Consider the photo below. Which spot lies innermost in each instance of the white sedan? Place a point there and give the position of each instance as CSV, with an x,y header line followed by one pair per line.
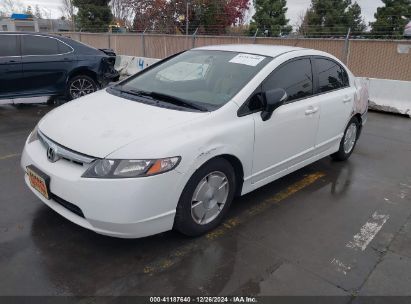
x,y
171,146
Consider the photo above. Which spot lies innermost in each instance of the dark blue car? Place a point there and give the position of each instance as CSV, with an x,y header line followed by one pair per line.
x,y
34,64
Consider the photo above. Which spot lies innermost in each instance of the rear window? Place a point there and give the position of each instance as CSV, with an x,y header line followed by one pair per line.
x,y
8,45
38,45
63,48
331,76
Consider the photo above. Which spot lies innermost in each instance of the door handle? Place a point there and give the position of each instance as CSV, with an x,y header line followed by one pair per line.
x,y
311,110
346,99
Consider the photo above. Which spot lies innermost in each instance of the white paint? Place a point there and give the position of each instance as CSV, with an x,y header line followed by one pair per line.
x,y
390,95
403,48
368,231
247,59
340,266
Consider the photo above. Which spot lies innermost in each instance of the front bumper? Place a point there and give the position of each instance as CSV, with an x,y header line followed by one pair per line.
x,y
126,208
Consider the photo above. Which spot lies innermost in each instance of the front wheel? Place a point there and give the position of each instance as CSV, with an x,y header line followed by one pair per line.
x,y
348,141
79,86
206,198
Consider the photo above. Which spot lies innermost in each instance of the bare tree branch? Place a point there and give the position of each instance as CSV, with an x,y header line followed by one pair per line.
x,y
11,6
123,12
67,10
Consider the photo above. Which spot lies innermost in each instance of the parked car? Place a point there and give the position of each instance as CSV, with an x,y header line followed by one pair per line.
x,y
407,31
173,145
33,64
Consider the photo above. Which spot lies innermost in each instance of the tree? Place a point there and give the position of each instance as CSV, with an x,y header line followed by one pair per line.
x,y
391,19
205,16
122,12
67,10
328,18
93,15
37,12
11,6
354,19
270,19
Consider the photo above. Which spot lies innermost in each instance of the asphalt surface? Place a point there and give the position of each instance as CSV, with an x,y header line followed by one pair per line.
x,y
328,229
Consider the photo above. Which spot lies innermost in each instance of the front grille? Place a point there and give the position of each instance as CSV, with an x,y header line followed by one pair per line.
x,y
69,206
64,153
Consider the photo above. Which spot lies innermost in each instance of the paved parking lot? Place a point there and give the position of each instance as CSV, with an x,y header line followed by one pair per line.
x,y
328,229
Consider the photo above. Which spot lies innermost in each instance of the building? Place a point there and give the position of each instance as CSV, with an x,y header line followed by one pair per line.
x,y
19,23
27,23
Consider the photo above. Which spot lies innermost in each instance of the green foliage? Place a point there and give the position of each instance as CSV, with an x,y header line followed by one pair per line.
x,y
93,15
327,18
391,19
269,18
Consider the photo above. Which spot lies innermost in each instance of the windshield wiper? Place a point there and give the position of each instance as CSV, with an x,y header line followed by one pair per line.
x,y
167,98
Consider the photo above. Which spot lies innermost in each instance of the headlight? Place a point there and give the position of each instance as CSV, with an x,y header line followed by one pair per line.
x,y
114,168
33,135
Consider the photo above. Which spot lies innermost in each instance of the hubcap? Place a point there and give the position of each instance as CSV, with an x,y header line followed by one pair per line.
x,y
350,138
81,87
209,198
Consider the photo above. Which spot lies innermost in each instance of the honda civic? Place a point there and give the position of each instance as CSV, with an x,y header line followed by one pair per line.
x,y
171,146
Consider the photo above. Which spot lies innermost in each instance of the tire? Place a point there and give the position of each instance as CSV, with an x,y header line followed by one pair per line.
x,y
79,86
349,140
189,218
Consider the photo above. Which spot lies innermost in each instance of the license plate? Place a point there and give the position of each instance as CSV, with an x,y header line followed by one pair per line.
x,y
39,180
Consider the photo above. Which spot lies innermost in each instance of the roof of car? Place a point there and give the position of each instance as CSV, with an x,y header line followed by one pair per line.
x,y
258,49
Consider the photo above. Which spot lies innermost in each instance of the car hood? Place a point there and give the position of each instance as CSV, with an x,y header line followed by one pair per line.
x,y
101,123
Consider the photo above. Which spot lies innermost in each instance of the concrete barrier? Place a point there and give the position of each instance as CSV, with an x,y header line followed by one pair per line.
x,y
129,65
390,95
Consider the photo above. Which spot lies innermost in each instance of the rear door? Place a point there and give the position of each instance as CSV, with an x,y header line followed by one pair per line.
x,y
336,99
46,63
10,66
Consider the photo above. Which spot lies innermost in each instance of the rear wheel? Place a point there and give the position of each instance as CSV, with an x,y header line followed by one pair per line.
x,y
79,86
206,198
348,141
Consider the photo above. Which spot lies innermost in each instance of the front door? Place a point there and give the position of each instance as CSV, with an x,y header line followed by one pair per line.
x,y
288,137
44,66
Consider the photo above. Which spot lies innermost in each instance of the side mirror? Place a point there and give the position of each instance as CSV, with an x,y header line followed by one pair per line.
x,y
273,99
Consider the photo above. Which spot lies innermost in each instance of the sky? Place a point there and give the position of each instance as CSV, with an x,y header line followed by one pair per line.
x,y
295,8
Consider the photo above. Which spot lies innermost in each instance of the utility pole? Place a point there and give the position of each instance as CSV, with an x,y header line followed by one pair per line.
x,y
187,18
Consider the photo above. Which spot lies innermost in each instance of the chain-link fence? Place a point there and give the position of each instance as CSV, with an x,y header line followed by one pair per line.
x,y
386,59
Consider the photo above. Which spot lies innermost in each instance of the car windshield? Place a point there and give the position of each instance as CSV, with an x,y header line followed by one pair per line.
x,y
197,78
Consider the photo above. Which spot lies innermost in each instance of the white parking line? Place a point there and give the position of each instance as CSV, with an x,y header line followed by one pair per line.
x,y
368,231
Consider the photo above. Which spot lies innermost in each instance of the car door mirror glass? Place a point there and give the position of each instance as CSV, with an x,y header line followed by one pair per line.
x,y
273,99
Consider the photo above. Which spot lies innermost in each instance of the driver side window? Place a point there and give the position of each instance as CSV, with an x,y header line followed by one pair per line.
x,y
294,77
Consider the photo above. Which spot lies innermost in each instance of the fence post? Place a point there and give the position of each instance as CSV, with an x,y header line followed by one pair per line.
x,y
346,49
194,38
109,40
79,36
143,44
255,36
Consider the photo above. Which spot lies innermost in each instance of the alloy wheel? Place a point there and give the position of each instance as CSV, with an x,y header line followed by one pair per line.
x,y
81,87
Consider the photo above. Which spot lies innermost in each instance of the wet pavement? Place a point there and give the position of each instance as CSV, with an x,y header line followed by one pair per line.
x,y
328,229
